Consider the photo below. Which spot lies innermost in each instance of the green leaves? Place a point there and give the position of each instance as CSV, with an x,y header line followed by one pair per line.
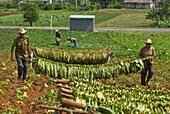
x,y
55,69
121,99
31,15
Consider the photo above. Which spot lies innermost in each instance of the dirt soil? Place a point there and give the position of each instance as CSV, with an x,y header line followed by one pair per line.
x,y
10,13
9,85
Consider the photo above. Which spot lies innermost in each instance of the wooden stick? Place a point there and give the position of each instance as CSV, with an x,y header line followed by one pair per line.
x,y
66,95
66,91
63,81
62,86
63,109
72,103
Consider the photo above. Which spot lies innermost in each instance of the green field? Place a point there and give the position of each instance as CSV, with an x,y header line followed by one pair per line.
x,y
123,94
123,44
103,18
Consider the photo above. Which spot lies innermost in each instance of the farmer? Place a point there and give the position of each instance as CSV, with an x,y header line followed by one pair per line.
x,y
58,38
73,40
22,53
147,54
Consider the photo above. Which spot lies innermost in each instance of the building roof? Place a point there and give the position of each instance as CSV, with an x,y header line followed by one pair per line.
x,y
3,0
82,16
138,1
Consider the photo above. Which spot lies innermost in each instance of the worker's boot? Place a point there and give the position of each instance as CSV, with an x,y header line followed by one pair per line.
x,y
147,82
19,77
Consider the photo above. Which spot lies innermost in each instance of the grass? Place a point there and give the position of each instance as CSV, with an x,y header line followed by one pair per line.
x,y
103,18
124,44
127,18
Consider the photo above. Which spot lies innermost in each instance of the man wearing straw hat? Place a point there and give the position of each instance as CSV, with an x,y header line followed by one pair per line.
x,y
22,53
147,54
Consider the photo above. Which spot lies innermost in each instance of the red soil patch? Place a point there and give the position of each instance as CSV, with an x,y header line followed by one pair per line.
x,y
10,13
8,96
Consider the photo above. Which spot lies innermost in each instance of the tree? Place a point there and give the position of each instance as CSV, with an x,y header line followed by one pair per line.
x,y
31,15
105,3
160,16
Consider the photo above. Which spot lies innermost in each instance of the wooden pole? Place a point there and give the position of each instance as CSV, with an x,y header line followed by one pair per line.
x,y
63,81
63,109
66,95
62,86
66,91
72,103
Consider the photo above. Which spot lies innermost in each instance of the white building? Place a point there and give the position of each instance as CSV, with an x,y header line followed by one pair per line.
x,y
138,4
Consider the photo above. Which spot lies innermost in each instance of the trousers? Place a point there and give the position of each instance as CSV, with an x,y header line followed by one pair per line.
x,y
22,67
146,72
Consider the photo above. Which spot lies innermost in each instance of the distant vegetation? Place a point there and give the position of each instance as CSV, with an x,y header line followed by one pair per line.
x,y
103,18
160,16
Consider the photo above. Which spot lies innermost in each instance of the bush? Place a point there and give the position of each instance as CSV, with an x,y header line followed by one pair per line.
x,y
25,6
160,16
94,6
117,5
40,4
48,7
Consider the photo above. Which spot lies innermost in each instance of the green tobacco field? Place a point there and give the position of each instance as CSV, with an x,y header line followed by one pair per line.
x,y
122,92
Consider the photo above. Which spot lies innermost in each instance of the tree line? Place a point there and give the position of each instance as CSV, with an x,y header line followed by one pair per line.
x,y
59,5
160,16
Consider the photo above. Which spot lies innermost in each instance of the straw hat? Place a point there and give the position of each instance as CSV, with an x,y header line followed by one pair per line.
x,y
148,41
22,31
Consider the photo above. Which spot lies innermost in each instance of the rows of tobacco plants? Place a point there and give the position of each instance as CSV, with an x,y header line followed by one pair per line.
x,y
91,92
124,45
74,57
101,71
121,99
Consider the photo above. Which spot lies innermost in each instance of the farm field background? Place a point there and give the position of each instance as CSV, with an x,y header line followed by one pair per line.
x,y
124,44
103,18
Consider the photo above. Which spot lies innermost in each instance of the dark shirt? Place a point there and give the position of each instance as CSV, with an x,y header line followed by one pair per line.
x,y
58,35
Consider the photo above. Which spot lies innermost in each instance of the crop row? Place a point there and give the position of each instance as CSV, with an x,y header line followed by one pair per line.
x,y
121,99
58,69
73,57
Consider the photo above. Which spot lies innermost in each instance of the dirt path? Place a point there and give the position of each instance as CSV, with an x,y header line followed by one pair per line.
x,y
18,97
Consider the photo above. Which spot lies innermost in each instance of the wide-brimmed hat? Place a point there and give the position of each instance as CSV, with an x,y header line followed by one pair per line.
x,y
22,31
148,41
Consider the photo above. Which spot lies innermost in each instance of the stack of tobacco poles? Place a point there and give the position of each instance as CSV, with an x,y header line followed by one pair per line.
x,y
67,105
